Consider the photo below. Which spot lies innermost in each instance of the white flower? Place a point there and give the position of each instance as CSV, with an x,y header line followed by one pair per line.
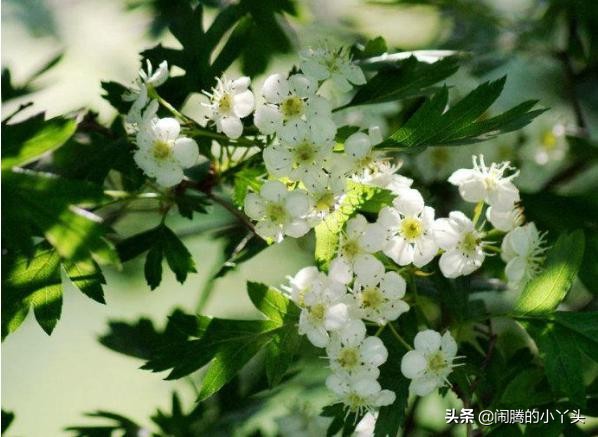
x,y
359,394
325,309
546,144
366,426
147,79
230,101
300,157
161,153
382,174
488,184
289,103
462,244
378,294
429,365
505,220
359,149
352,353
138,92
359,240
304,282
278,212
523,250
322,64
326,190
408,228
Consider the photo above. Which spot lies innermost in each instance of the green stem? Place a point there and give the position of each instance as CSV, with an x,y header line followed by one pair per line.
x,y
398,337
379,331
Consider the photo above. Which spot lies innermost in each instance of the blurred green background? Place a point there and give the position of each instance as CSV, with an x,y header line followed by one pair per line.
x,y
50,381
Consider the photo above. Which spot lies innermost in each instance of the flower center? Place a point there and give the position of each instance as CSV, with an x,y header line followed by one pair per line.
x,y
355,402
348,358
411,228
436,362
351,248
225,104
366,161
161,150
276,213
325,201
372,298
305,153
469,242
292,107
549,140
317,312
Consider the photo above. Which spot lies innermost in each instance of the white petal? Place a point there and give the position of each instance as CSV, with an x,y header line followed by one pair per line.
x,y
255,206
302,86
169,176
425,251
461,176
373,351
353,73
340,271
409,202
337,317
427,341
400,250
267,119
278,160
452,264
515,270
358,145
267,229
413,364
352,333
473,190
356,226
423,386
318,336
241,84
385,397
274,191
297,203
373,238
369,271
297,228
393,285
445,234
449,345
243,103
314,69
185,152
276,88
168,128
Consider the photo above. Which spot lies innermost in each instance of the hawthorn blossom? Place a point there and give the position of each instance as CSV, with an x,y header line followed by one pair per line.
x,y
488,184
462,245
322,64
547,144
326,191
300,157
289,103
359,394
408,229
383,175
360,153
278,212
163,154
138,93
359,241
356,354
505,220
378,294
230,101
430,363
523,249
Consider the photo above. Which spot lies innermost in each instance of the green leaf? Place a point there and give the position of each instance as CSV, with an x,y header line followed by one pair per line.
x,y
40,139
43,203
27,282
409,78
7,419
179,259
327,232
227,345
245,180
545,292
160,242
87,277
462,123
153,267
561,357
282,348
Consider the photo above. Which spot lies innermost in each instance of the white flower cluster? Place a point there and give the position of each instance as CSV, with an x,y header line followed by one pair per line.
x,y
523,246
162,153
